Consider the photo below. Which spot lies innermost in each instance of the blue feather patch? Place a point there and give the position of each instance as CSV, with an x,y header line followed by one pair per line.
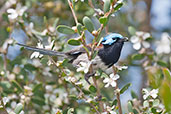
x,y
111,38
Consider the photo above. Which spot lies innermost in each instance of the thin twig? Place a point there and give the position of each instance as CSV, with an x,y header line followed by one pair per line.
x,y
82,94
117,92
98,94
73,13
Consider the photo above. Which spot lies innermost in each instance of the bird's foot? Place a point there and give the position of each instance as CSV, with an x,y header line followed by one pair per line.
x,y
87,76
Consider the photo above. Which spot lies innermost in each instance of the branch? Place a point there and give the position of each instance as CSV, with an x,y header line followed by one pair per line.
x,y
117,92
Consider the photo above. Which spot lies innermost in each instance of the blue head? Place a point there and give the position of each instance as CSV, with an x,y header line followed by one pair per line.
x,y
112,38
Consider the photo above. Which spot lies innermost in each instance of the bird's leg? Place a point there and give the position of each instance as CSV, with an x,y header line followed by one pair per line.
x,y
88,75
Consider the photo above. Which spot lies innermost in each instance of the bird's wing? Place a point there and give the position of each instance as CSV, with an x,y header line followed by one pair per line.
x,y
43,51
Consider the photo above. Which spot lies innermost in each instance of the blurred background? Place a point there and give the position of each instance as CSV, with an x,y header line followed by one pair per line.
x,y
33,21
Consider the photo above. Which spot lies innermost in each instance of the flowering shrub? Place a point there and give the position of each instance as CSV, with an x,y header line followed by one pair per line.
x,y
32,83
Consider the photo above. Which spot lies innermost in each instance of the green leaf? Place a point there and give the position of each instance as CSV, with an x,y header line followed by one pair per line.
x,y
131,30
138,56
36,87
74,97
92,89
88,24
125,88
153,110
156,102
106,6
74,42
5,84
103,20
55,22
135,111
65,29
17,85
130,106
145,104
38,100
19,108
44,60
5,17
114,103
167,74
154,76
119,5
165,93
134,95
29,67
79,28
70,111
162,63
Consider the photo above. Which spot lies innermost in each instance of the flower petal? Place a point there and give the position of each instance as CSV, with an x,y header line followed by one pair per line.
x,y
137,46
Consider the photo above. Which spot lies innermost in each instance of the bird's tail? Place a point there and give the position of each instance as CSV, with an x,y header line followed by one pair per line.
x,y
43,51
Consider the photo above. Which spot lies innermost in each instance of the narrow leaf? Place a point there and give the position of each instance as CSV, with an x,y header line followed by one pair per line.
x,y
88,24
106,5
138,56
17,85
65,29
74,42
92,89
36,87
119,5
134,95
19,108
125,88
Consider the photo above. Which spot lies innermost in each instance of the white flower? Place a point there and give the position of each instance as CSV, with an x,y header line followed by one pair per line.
x,y
99,11
56,111
121,67
39,45
13,104
37,54
109,110
28,91
11,76
138,40
46,72
14,13
10,2
89,100
36,63
5,100
49,47
78,0
83,66
49,88
111,81
71,79
2,73
153,93
30,28
164,45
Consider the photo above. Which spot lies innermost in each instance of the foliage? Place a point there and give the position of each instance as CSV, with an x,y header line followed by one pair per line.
x,y
50,85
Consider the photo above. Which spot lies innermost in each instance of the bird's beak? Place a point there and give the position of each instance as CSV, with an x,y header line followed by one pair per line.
x,y
125,39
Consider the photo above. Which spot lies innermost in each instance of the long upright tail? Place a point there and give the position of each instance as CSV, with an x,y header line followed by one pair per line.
x,y
43,51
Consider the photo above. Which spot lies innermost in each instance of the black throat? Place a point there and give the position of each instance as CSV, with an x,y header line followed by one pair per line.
x,y
110,53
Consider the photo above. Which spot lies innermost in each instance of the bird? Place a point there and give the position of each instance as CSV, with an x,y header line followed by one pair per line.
x,y
108,53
